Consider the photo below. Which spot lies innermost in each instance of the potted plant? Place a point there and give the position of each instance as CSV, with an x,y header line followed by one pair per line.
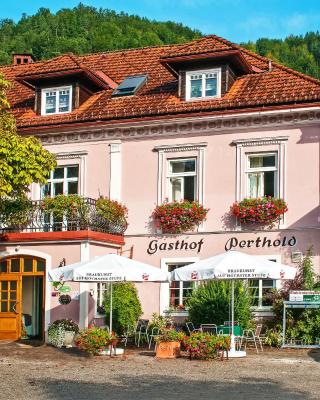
x,y
205,346
264,211
15,213
179,216
168,343
95,340
62,332
113,213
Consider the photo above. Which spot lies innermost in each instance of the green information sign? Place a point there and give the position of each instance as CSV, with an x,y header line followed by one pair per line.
x,y
65,289
311,298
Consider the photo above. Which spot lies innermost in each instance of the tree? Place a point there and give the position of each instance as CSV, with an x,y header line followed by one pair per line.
x,y
23,160
126,306
210,302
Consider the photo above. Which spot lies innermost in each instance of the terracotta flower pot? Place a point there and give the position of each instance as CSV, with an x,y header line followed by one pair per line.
x,y
168,350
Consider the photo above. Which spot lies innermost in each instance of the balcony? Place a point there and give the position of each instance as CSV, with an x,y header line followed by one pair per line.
x,y
59,214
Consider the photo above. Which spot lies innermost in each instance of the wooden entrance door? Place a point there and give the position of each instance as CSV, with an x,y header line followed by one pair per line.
x,y
10,306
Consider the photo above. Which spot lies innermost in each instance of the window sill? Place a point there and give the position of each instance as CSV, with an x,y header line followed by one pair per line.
x,y
203,98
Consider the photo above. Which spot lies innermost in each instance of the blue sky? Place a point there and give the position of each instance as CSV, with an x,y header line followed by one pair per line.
x,y
236,20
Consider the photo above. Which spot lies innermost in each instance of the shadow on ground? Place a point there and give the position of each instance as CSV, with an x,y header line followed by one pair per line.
x,y
315,355
161,388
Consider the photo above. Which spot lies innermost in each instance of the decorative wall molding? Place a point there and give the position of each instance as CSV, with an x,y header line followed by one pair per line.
x,y
260,141
181,147
68,156
184,126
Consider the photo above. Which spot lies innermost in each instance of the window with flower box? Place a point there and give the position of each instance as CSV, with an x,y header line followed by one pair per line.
x,y
56,100
262,175
182,179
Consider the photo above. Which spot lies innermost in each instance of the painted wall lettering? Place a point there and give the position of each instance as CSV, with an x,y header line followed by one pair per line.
x,y
234,242
154,246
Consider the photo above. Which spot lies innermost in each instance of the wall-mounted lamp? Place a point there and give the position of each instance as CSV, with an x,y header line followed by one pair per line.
x,y
91,292
62,263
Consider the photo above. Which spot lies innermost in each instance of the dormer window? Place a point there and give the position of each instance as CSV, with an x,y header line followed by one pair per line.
x,y
56,100
203,84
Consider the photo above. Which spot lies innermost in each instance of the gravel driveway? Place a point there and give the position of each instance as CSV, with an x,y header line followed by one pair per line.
x,y
47,373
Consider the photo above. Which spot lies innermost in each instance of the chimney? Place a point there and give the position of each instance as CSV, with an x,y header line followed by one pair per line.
x,y
19,59
270,65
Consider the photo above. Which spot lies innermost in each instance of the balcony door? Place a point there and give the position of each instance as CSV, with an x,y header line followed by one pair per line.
x,y
21,297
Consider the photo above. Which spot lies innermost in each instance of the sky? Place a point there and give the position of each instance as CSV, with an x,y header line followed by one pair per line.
x,y
235,20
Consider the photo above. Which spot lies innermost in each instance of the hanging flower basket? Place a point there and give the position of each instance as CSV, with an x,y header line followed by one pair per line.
x,y
264,211
179,217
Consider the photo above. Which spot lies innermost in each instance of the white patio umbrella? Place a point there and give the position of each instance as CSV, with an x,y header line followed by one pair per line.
x,y
109,268
233,265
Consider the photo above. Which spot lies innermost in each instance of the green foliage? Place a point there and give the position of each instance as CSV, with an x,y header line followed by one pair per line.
x,y
273,337
160,321
204,346
113,211
126,306
66,324
15,213
23,160
301,53
169,335
93,340
72,206
210,303
85,29
303,325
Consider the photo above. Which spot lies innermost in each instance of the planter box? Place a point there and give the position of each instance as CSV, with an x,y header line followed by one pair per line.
x,y
168,350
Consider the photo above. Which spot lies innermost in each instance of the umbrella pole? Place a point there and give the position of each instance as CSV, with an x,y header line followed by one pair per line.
x,y
110,323
232,317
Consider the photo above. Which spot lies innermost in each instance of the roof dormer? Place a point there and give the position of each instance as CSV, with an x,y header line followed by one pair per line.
x,y
62,84
206,70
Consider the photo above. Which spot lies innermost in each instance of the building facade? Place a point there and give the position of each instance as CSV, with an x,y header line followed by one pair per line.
x,y
205,121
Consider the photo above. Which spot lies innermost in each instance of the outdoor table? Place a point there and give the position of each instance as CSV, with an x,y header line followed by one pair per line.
x,y
226,330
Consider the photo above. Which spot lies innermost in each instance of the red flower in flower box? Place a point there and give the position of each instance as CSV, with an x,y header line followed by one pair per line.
x,y
263,211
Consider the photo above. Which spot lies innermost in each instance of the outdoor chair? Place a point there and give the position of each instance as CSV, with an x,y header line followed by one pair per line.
x,y
191,328
250,336
209,328
141,331
129,334
152,336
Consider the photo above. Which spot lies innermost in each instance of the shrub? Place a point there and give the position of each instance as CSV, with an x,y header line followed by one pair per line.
x,y
210,303
179,217
94,340
263,211
126,308
113,211
66,324
15,213
160,321
169,335
301,324
204,346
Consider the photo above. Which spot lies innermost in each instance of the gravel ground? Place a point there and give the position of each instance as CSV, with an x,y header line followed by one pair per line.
x,y
44,372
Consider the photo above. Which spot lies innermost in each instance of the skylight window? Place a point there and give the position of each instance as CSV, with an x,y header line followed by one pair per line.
x,y
130,85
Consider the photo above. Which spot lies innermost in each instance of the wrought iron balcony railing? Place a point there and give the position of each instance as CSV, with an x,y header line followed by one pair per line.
x,y
37,217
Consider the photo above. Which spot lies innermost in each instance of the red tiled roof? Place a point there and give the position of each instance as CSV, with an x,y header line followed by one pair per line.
x,y
159,96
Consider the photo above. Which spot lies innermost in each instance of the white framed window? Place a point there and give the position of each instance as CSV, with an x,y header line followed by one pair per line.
x,y
182,179
56,100
203,84
179,291
102,290
262,175
63,180
259,289
174,295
